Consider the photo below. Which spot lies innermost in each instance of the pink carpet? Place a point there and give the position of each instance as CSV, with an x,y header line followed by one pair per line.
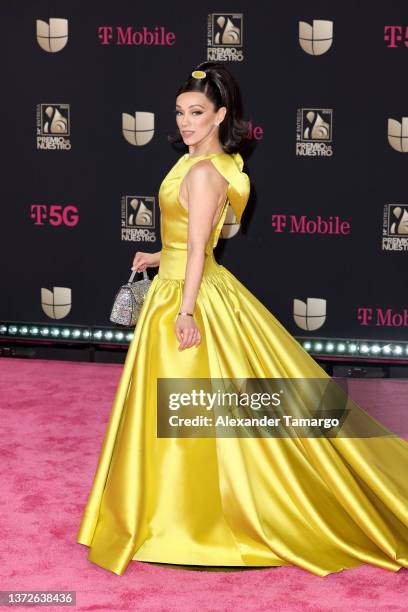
x,y
53,416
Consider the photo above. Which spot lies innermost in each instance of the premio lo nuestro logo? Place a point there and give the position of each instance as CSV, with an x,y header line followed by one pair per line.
x,y
138,222
314,132
53,126
309,315
316,39
225,37
398,134
52,36
138,129
395,227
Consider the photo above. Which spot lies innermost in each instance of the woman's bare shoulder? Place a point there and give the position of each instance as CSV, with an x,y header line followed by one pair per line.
x,y
204,171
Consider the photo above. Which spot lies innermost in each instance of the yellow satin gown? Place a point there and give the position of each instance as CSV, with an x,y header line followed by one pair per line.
x,y
321,504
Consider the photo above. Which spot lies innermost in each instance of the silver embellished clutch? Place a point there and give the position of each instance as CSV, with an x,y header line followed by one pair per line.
x,y
129,300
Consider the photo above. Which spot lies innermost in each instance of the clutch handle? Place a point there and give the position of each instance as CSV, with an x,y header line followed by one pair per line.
x,y
132,276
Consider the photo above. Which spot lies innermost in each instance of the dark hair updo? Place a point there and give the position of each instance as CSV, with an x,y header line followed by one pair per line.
x,y
221,89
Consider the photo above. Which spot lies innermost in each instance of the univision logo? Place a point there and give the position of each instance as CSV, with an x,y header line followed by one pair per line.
x,y
52,36
316,39
138,129
56,304
230,227
309,315
398,134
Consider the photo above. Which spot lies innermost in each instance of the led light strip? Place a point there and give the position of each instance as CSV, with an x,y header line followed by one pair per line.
x,y
74,333
330,347
367,349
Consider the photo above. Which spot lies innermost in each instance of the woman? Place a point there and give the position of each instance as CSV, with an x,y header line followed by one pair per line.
x,y
323,504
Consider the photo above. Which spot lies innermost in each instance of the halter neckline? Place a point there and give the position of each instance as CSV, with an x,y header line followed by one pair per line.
x,y
187,155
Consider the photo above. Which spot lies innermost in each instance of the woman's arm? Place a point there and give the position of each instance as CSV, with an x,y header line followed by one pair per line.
x,y
143,260
205,189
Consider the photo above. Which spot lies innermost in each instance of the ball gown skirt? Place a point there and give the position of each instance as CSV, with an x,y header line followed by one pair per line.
x,y
322,504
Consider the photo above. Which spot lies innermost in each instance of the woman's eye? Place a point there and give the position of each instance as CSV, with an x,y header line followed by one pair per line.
x,y
194,112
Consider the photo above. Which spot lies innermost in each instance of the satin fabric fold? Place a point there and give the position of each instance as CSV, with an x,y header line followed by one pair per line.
x,y
321,504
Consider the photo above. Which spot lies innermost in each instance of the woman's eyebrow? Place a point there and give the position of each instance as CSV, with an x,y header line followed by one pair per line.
x,y
178,105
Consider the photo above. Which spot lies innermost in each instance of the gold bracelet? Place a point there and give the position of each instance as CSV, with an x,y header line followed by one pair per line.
x,y
186,313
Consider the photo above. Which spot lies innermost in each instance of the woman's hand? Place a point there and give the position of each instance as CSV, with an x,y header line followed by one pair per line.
x,y
187,332
142,261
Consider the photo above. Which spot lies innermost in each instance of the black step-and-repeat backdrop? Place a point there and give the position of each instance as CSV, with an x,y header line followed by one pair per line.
x,y
88,95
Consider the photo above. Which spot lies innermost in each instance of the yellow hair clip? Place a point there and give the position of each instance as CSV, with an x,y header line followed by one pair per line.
x,y
199,74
